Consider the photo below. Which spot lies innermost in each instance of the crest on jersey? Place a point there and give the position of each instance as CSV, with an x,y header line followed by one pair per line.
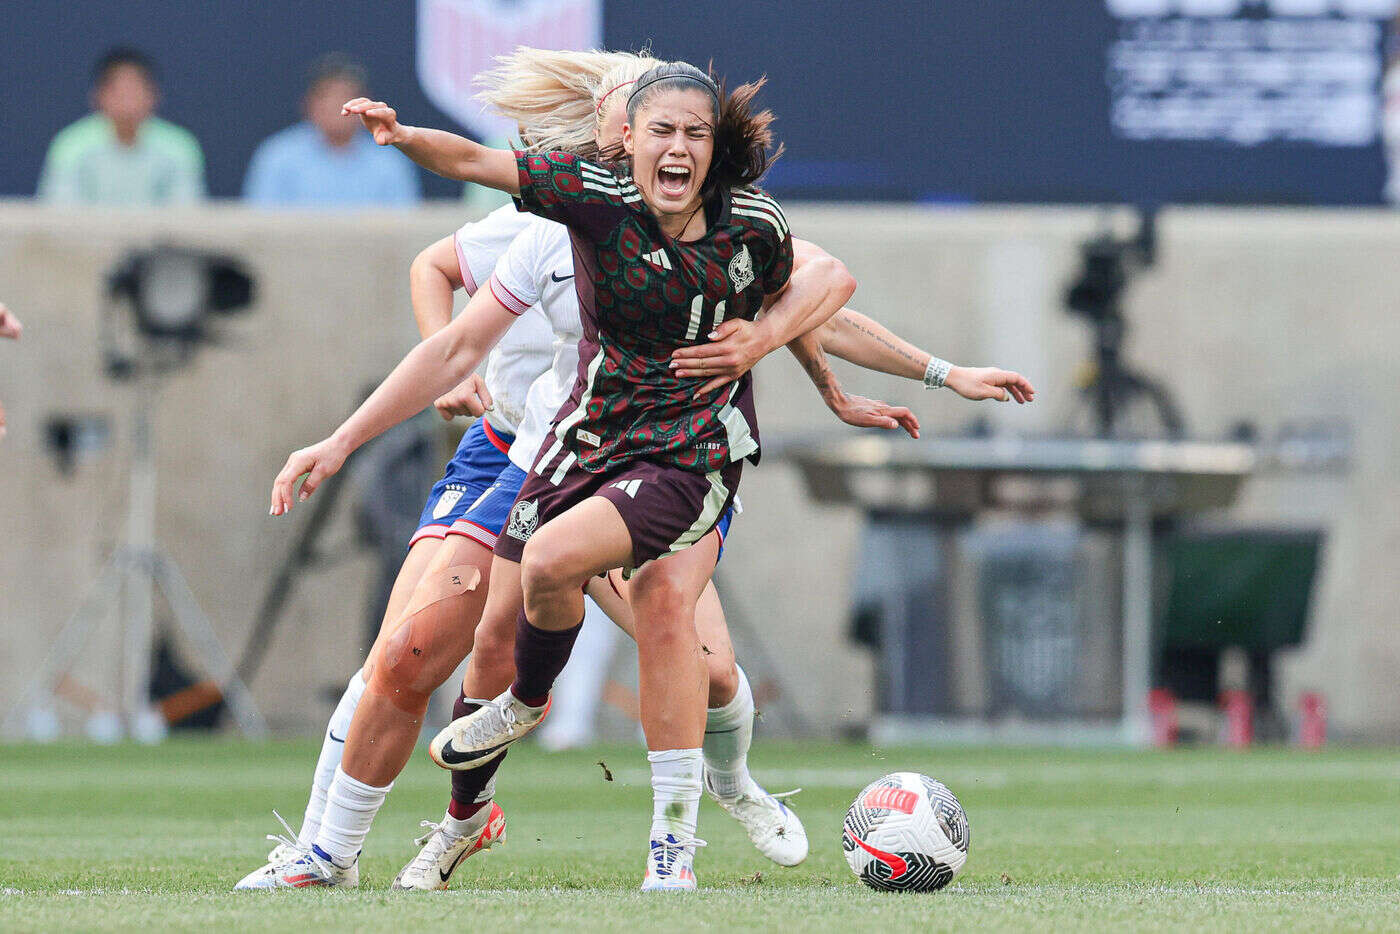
x,y
458,39
524,516
447,500
741,269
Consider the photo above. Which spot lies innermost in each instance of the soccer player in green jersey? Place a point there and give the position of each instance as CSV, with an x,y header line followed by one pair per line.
x,y
681,430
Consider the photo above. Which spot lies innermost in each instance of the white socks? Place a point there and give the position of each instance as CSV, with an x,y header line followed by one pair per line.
x,y
675,790
467,826
350,809
728,736
332,748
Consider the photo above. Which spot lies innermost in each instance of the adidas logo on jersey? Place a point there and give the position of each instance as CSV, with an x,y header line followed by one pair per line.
x,y
658,258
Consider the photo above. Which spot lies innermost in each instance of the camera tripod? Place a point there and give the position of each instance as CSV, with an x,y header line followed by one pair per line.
x,y
1113,390
123,596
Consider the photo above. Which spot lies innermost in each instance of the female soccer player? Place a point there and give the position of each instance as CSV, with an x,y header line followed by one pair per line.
x,y
886,345
767,238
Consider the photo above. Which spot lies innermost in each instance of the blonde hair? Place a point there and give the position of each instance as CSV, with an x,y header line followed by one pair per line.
x,y
556,98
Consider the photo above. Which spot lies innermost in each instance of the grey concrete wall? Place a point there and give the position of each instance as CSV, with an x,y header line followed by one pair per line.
x,y
1274,317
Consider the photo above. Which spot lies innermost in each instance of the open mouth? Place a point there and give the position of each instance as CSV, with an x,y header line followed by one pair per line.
x,y
673,179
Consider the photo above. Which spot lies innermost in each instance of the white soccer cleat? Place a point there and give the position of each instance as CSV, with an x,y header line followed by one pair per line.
x,y
279,854
670,865
443,852
293,865
482,735
772,826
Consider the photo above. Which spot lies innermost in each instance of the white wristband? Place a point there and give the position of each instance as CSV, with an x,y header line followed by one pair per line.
x,y
936,372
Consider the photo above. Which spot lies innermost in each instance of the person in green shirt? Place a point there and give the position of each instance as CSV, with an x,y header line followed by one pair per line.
x,y
122,154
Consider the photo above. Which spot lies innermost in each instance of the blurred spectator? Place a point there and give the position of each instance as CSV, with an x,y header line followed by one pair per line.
x,y
11,328
328,159
122,153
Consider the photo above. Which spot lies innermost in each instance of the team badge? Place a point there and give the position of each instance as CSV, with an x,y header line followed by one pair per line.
x,y
447,500
524,516
741,269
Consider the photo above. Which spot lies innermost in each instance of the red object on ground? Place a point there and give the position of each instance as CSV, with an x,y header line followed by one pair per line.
x,y
1239,718
1161,707
1312,731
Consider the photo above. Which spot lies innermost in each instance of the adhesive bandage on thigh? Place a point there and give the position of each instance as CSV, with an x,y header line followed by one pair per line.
x,y
438,585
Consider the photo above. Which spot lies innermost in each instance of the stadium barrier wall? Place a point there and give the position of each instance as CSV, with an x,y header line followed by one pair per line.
x,y
1269,316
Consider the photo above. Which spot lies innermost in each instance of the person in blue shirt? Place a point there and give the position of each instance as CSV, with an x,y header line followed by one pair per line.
x,y
328,160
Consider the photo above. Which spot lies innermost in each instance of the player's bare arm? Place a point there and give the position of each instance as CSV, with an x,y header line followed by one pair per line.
x,y
857,411
432,368
438,151
433,277
9,324
11,328
859,339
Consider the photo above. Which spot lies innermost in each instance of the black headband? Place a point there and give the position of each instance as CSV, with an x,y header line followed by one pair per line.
x,y
705,83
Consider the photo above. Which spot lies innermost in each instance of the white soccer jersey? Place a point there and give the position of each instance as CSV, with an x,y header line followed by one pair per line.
x,y
537,272
528,347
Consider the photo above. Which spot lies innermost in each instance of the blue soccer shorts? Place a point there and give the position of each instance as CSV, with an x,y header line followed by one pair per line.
x,y
479,460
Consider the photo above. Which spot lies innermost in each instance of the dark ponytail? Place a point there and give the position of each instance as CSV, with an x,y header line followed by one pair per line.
x,y
742,138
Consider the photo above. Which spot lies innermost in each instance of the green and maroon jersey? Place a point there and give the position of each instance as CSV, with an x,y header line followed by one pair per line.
x,y
642,295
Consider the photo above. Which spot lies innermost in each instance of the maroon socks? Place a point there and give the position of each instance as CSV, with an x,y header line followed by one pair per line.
x,y
540,654
473,789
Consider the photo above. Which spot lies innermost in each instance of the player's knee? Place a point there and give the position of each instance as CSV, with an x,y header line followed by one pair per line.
x,y
545,567
661,598
495,646
663,614
724,677
403,672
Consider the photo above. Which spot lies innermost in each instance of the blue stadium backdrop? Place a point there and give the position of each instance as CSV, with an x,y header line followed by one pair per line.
x,y
950,101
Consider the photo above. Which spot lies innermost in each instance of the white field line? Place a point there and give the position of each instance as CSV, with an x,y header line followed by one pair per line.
x,y
1174,774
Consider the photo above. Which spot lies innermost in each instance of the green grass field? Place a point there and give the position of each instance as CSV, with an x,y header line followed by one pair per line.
x,y
129,838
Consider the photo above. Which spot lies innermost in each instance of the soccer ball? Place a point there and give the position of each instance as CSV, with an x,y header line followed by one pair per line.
x,y
905,833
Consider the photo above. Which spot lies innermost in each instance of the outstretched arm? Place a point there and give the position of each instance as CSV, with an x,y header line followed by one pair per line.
x,y
853,410
439,151
858,339
430,369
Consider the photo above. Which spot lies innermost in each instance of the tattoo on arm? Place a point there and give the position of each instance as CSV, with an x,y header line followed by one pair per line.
x,y
851,322
817,369
813,360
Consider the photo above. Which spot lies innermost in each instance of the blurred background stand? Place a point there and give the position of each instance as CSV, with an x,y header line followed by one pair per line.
x,y
1002,531
157,314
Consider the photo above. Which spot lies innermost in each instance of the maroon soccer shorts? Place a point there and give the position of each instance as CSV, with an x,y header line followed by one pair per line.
x,y
665,509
